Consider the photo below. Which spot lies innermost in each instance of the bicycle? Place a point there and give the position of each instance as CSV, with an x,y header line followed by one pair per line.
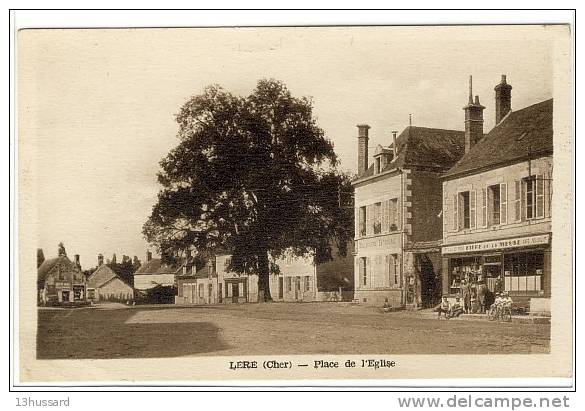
x,y
500,313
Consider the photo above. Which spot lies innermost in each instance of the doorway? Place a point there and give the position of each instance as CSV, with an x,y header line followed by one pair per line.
x,y
430,283
280,288
235,292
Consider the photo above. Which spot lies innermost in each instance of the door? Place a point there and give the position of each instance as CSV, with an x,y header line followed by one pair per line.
x,y
297,286
65,295
209,294
235,292
220,293
280,287
429,282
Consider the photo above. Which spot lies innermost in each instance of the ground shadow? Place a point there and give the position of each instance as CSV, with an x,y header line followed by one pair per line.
x,y
89,334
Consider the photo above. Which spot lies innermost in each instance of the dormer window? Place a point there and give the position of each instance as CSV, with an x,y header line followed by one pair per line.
x,y
378,165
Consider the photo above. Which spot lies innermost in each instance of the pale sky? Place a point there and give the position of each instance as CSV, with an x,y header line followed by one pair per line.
x,y
98,106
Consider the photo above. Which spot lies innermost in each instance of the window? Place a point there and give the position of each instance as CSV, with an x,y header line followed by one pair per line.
x,y
200,290
524,271
227,262
464,210
362,219
495,204
465,215
378,165
460,268
363,271
394,270
534,197
307,284
288,284
377,218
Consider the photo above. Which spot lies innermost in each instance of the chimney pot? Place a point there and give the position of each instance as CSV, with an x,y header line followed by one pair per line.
x,y
394,148
503,99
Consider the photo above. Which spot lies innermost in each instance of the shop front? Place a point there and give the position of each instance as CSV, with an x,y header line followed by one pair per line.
x,y
521,266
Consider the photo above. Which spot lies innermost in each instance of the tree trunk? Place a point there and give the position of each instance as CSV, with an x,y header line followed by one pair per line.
x,y
263,278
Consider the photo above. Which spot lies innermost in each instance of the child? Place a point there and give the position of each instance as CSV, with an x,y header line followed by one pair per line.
x,y
506,301
443,308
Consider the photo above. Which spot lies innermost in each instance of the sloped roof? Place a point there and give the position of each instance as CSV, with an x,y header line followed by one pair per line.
x,y
47,265
521,134
104,274
155,266
424,147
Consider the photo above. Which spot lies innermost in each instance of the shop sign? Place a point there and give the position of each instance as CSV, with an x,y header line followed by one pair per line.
x,y
498,244
381,242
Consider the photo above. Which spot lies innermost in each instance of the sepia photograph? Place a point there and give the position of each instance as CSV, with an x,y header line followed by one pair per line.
x,y
294,202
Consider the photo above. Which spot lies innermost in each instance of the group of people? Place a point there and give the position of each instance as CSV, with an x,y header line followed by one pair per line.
x,y
448,310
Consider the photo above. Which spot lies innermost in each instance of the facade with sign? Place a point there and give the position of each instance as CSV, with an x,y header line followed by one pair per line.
x,y
398,216
497,205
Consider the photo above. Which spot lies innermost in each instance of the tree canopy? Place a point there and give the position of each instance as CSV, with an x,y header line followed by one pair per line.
x,y
254,177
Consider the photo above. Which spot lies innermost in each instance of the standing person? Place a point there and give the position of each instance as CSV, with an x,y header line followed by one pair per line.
x,y
499,286
466,294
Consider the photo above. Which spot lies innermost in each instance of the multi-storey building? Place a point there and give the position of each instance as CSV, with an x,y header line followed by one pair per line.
x,y
398,225
497,202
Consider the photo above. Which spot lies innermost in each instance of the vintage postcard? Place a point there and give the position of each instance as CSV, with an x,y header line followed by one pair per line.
x,y
294,203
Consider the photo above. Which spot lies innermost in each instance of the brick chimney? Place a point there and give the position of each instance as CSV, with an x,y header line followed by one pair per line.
x,y
394,148
473,119
363,140
100,260
503,99
148,256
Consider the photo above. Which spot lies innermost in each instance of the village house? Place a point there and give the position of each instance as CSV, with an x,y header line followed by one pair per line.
x,y
107,284
398,227
60,280
497,202
197,285
154,273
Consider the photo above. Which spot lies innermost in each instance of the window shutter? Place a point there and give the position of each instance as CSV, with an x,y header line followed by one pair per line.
x,y
390,269
385,223
484,207
455,214
523,200
398,213
517,200
472,209
548,194
399,265
539,196
369,220
503,203
357,222
369,271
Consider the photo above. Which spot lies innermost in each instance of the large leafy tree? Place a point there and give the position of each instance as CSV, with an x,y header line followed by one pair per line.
x,y
252,176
